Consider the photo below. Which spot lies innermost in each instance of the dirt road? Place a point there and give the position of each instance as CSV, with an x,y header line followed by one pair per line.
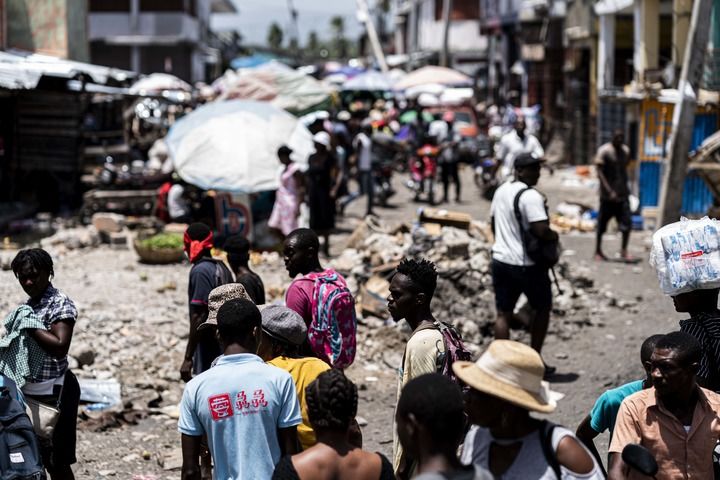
x,y
133,320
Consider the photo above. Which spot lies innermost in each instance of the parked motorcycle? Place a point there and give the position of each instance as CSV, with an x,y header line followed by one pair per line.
x,y
485,168
382,181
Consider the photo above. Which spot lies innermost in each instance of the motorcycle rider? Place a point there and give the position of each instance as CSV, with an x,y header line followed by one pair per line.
x,y
512,144
448,157
364,161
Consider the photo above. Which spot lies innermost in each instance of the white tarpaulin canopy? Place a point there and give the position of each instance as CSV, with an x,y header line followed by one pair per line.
x,y
157,82
369,81
232,145
432,74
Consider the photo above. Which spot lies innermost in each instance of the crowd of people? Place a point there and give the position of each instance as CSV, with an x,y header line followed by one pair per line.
x,y
266,393
476,422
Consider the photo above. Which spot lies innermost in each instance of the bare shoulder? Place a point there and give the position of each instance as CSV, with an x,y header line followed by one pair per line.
x,y
360,464
315,462
573,456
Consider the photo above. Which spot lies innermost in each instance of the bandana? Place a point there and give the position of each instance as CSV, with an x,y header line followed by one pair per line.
x,y
195,247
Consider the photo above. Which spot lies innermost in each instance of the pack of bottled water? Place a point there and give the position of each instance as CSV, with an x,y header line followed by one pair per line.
x,y
686,255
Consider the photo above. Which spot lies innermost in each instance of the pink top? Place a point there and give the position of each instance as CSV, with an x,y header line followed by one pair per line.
x,y
299,298
287,201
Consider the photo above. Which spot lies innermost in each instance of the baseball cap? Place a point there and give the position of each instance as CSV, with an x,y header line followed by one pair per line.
x,y
218,297
526,159
284,324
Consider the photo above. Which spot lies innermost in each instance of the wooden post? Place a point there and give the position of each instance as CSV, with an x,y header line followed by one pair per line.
x,y
445,52
684,113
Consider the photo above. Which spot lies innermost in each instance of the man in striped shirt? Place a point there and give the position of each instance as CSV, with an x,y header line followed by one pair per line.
x,y
704,325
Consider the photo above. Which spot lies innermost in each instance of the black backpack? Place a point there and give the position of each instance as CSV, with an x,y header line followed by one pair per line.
x,y
19,449
544,254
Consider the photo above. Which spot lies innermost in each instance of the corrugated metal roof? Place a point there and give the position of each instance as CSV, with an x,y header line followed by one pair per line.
x,y
23,70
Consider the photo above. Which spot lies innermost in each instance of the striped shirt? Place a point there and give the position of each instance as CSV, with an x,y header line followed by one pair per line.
x,y
705,327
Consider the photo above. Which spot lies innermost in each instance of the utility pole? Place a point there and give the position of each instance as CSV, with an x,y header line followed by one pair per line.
x,y
295,31
445,54
684,113
363,15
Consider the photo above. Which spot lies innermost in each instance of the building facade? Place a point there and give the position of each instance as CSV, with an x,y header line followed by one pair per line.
x,y
420,30
51,27
146,36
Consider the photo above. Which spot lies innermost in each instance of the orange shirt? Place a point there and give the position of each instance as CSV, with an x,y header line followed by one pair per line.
x,y
679,454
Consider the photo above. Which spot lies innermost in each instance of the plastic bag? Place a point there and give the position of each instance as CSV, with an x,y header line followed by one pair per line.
x,y
686,255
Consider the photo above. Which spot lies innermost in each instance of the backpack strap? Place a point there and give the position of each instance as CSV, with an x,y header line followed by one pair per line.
x,y
546,435
439,358
516,206
518,217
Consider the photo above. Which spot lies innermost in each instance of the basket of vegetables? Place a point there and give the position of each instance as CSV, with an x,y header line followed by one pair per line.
x,y
161,248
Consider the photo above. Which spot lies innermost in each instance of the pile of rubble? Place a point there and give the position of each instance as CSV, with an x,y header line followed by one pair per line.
x,y
464,294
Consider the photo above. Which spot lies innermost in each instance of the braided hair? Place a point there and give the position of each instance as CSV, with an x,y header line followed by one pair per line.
x,y
332,401
37,258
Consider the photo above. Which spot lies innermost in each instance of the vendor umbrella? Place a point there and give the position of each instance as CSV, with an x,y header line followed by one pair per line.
x,y
232,145
432,74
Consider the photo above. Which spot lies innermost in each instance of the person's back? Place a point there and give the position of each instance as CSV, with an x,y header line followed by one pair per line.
x,y
328,464
303,371
327,306
248,410
253,285
508,247
240,398
206,274
332,405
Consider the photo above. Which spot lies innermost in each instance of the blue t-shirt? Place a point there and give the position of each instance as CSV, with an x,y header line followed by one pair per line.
x,y
604,413
239,404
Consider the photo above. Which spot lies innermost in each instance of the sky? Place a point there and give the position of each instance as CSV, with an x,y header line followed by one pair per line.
x,y
255,16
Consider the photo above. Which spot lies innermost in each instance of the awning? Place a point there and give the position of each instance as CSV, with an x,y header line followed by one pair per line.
x,y
23,70
611,7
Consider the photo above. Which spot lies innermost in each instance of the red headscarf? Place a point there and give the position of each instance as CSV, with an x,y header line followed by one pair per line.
x,y
195,247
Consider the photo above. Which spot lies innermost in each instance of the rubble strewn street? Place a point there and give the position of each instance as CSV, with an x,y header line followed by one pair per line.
x,y
133,322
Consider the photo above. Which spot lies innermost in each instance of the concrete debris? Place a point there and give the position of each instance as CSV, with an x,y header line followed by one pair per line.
x,y
72,239
464,294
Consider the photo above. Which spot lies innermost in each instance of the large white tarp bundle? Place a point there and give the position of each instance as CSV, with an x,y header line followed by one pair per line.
x,y
686,255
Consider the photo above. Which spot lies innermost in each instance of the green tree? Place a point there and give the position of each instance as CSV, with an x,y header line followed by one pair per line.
x,y
275,36
337,25
313,43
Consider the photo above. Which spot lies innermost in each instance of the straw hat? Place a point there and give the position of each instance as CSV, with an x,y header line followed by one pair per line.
x,y
218,296
512,372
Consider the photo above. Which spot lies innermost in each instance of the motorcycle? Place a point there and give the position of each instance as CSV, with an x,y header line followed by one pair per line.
x,y
382,181
485,177
423,170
